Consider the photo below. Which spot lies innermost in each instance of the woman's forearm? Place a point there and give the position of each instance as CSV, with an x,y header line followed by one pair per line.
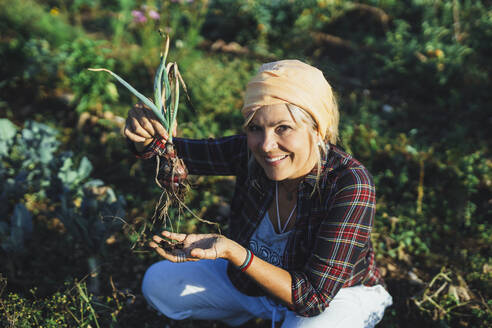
x,y
271,278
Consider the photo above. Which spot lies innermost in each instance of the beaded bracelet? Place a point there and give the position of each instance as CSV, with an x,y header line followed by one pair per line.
x,y
247,261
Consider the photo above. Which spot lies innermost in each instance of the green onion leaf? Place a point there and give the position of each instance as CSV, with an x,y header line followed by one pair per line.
x,y
176,96
140,96
157,84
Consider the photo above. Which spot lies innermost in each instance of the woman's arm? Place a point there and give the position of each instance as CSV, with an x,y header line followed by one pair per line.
x,y
274,280
147,138
220,156
341,245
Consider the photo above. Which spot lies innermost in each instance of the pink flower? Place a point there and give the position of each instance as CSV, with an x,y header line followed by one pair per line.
x,y
154,15
138,17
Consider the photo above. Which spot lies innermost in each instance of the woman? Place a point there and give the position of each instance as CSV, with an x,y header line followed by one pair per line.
x,y
299,248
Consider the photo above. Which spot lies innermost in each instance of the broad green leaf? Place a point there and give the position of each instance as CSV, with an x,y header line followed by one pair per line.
x,y
7,134
66,174
7,130
85,168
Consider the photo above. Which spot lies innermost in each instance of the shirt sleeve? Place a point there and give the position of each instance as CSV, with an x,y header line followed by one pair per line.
x,y
222,156
342,238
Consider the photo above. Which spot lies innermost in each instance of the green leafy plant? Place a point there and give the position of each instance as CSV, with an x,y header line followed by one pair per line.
x,y
89,90
74,306
165,105
31,168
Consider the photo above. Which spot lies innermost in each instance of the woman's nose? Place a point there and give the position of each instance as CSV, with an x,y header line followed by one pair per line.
x,y
268,143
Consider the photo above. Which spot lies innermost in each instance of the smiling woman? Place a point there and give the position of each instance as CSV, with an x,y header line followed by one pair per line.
x,y
299,249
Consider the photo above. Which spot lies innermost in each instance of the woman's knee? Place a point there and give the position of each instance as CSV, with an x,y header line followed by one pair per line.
x,y
156,279
162,286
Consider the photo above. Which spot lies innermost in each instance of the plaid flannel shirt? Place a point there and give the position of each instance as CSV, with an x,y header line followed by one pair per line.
x,y
330,246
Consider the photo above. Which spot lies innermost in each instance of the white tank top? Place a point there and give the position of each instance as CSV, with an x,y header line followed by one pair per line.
x,y
268,244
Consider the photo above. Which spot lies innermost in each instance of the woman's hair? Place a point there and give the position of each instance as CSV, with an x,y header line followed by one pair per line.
x,y
301,116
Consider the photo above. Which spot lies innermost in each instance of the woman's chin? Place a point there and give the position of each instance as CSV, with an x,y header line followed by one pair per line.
x,y
275,176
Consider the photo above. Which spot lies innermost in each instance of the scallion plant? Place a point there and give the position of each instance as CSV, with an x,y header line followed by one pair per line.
x,y
172,173
166,90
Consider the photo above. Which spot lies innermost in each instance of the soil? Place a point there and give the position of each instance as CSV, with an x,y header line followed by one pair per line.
x,y
169,247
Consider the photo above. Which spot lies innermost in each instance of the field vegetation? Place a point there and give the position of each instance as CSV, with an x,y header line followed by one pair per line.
x,y
413,82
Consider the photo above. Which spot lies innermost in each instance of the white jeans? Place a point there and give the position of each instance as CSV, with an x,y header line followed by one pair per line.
x,y
202,290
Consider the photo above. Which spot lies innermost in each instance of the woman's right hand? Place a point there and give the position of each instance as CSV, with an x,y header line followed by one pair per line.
x,y
142,126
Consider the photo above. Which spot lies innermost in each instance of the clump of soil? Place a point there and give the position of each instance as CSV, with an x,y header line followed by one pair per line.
x,y
169,247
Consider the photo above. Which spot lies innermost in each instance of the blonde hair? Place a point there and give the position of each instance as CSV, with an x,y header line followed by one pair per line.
x,y
301,115
333,120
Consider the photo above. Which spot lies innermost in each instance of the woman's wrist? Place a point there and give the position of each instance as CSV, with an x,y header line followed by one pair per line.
x,y
247,262
236,254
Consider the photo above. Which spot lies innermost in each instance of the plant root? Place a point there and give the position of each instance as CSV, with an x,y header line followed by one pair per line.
x,y
172,177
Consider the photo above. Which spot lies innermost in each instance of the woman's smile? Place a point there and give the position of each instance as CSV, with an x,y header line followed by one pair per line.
x,y
275,160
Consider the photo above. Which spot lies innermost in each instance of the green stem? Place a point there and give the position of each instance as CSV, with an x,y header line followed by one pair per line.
x,y
176,101
157,84
140,96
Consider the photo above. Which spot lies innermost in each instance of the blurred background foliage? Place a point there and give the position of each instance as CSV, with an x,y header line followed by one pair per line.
x,y
413,82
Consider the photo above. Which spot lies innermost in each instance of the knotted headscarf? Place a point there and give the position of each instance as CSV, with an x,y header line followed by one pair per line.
x,y
297,83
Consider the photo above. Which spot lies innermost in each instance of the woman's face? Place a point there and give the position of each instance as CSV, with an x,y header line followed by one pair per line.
x,y
282,146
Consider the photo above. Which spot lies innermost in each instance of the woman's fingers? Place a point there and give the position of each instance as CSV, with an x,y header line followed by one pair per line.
x,y
166,255
139,121
195,247
141,125
176,255
160,129
146,124
180,237
210,254
143,122
150,122
133,125
154,124
133,136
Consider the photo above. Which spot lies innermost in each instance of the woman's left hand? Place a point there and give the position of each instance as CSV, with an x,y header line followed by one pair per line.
x,y
195,246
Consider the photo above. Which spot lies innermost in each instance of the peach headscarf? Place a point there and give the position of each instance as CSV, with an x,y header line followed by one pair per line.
x,y
297,83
